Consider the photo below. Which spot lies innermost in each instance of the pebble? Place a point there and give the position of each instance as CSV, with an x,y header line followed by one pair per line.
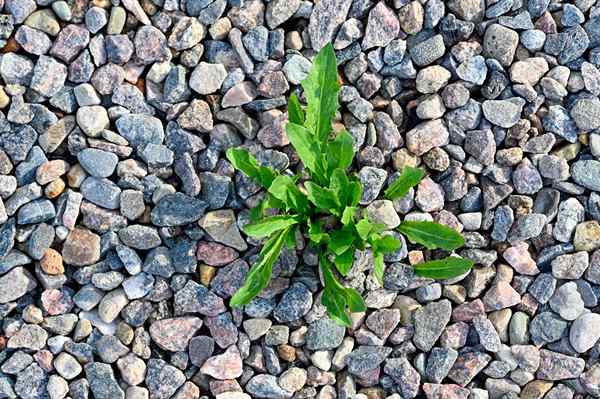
x,y
567,301
324,334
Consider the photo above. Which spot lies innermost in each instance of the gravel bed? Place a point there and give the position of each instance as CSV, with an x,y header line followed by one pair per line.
x,y
120,218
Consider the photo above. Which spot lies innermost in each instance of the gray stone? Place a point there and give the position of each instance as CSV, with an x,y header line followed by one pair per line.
x,y
324,334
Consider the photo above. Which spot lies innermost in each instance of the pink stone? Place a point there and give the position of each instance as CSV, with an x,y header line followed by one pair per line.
x,y
520,259
56,302
44,359
455,335
500,296
445,391
468,311
174,334
226,366
215,254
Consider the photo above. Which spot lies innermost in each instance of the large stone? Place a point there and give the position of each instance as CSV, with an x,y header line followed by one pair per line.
x,y
177,210
81,248
174,334
429,322
326,17
15,284
427,135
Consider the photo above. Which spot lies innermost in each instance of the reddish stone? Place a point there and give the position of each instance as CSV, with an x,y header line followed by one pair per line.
x,y
468,311
519,258
56,302
174,334
44,359
445,391
226,366
215,254
467,366
51,263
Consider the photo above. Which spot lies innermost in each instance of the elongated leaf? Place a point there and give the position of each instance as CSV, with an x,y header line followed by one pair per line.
x,y
290,238
335,305
432,235
321,89
340,152
378,266
337,299
260,274
316,233
347,189
343,262
323,198
267,226
442,269
307,148
355,301
409,178
348,214
242,160
295,113
355,192
285,190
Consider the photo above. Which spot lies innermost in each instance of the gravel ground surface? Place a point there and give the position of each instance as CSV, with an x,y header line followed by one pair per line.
x,y
120,219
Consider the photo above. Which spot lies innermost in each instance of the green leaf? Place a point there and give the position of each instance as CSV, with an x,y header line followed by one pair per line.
x,y
363,228
343,262
321,90
285,190
432,235
378,266
340,152
442,269
316,233
290,238
295,113
307,148
270,225
260,274
385,244
242,160
348,215
323,198
337,299
366,229
335,306
340,240
355,192
355,301
348,190
409,178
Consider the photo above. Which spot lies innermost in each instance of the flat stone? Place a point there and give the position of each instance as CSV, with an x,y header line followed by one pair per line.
x,y
174,334
295,303
225,366
555,366
102,381
324,20
500,43
427,135
197,298
430,321
324,334
16,283
162,379
221,226
382,27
